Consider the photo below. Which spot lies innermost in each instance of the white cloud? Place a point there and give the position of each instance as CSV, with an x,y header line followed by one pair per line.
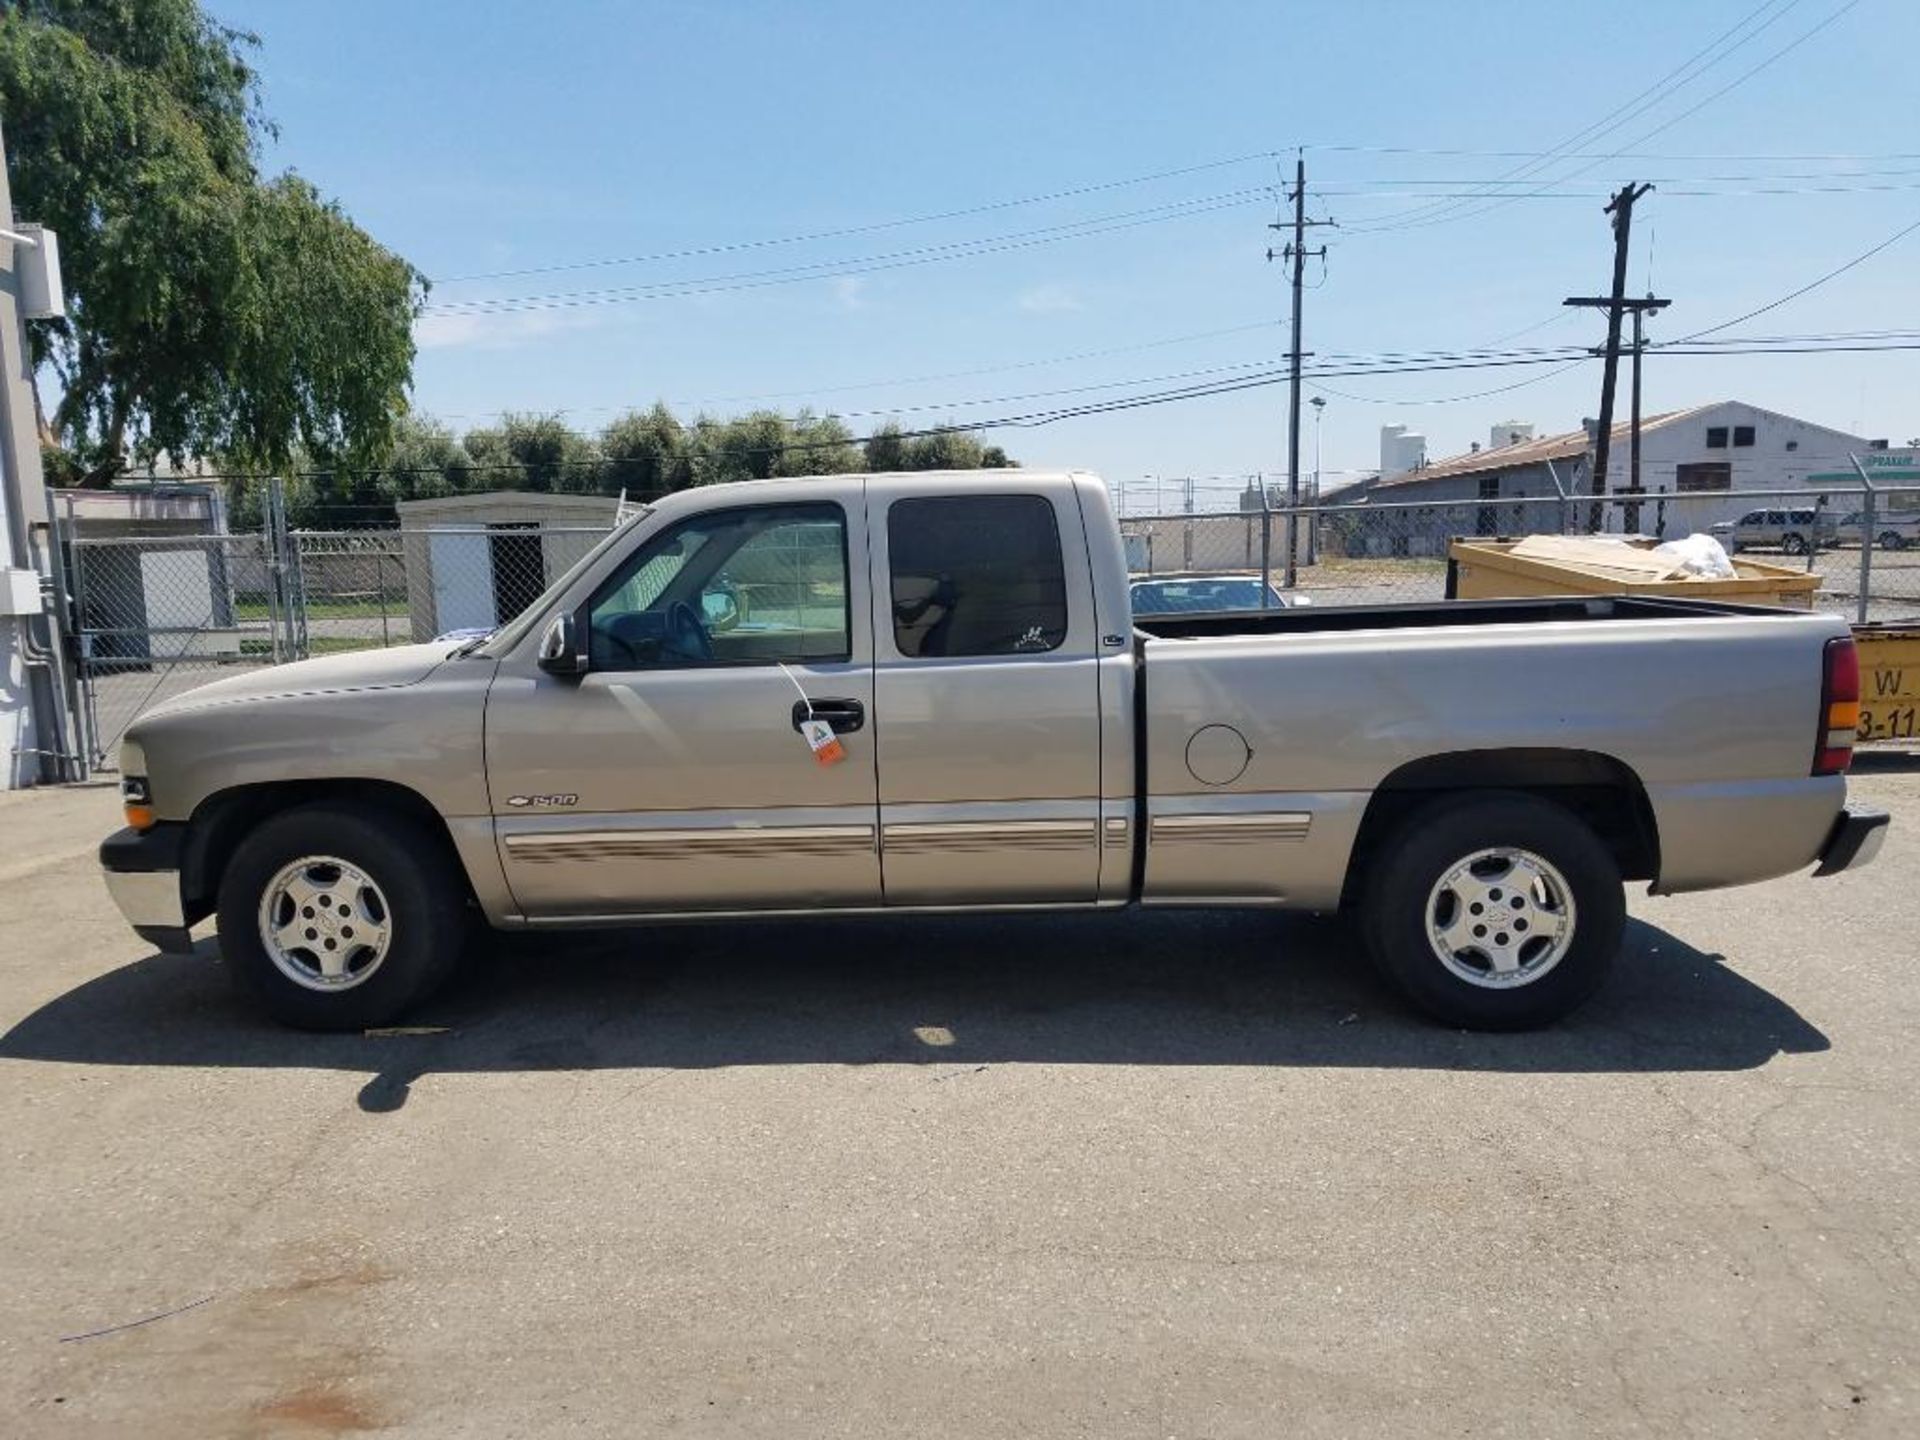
x,y
1047,299
851,291
496,330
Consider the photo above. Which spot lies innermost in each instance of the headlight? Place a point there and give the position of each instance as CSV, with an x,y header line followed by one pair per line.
x,y
136,795
137,800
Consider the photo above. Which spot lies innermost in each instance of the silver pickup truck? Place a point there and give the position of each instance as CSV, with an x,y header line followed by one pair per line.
x,y
926,692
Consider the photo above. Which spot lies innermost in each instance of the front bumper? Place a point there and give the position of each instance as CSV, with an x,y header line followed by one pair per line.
x,y
1857,837
142,871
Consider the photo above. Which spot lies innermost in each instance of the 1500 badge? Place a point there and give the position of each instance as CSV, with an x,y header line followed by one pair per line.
x,y
541,802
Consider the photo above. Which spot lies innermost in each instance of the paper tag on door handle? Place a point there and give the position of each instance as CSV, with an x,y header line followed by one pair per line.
x,y
826,746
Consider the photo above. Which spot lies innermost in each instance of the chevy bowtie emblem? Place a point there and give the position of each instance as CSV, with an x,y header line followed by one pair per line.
x,y
541,802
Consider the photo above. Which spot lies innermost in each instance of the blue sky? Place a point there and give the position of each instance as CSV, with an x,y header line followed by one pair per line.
x,y
477,138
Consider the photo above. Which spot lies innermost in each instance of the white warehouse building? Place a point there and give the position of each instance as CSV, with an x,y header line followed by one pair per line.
x,y
1694,465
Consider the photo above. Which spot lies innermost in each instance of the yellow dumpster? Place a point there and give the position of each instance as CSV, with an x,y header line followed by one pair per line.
x,y
1583,565
1889,681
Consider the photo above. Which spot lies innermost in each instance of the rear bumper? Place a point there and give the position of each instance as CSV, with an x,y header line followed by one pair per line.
x,y
1855,841
142,871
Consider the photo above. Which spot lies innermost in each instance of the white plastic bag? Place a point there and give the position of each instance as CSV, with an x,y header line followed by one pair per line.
x,y
1699,556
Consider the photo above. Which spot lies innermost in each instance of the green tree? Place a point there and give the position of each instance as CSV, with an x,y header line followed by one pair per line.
x,y
532,452
646,453
887,449
425,462
820,445
748,447
212,311
945,450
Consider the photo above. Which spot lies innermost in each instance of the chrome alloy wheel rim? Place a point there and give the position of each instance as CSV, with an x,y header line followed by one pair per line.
x,y
325,924
1500,918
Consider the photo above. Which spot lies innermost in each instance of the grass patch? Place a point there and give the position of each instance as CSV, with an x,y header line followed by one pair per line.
x,y
320,645
324,609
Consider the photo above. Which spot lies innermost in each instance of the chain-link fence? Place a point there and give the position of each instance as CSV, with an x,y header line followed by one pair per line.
x,y
1863,548
155,615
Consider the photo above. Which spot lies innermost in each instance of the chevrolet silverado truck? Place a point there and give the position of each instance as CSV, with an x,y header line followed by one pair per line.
x,y
884,693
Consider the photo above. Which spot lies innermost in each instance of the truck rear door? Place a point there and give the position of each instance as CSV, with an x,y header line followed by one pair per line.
x,y
986,693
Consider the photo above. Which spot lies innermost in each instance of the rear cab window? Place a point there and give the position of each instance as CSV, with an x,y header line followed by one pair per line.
x,y
975,575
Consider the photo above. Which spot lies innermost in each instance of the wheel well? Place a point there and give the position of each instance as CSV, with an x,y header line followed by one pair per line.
x,y
1602,791
224,819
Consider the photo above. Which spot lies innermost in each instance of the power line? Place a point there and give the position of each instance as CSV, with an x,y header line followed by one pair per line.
x,y
1837,271
1848,156
1453,399
906,380
1659,129
1355,364
844,231
1036,418
1681,75
836,269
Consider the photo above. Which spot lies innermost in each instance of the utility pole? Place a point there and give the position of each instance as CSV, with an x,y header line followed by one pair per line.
x,y
1296,251
1620,207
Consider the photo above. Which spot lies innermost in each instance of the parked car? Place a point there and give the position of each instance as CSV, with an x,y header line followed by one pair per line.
x,y
1793,531
1208,594
947,704
1892,530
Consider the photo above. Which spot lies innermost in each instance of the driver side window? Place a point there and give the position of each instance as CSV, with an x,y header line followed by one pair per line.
x,y
754,585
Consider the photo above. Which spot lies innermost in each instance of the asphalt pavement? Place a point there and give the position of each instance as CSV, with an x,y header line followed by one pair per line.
x,y
1171,1174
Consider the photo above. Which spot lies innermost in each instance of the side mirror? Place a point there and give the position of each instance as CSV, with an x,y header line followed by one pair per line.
x,y
560,650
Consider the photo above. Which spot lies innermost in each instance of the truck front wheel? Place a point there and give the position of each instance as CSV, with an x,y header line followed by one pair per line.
x,y
1495,911
336,918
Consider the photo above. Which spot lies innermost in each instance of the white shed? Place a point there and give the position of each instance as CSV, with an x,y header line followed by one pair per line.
x,y
476,561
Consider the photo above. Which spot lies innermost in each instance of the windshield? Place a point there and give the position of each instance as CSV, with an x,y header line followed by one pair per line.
x,y
509,634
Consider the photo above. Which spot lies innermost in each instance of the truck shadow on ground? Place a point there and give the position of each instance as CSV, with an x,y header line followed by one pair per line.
x,y
1152,988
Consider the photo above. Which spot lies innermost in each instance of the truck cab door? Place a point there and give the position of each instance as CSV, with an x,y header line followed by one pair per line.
x,y
987,688
673,775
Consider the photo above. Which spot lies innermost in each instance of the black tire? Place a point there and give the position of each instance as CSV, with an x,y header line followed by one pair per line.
x,y
1793,544
1890,540
1428,845
427,918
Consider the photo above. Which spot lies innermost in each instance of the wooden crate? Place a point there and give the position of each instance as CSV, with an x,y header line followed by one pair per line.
x,y
1489,570
1889,681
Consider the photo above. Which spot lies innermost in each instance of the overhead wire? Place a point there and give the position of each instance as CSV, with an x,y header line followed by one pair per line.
x,y
1662,128
1681,75
837,269
844,231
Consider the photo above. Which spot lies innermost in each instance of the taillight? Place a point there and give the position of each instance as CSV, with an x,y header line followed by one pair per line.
x,y
1839,707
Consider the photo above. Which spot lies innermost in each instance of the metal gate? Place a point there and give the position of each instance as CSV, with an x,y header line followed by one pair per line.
x,y
155,615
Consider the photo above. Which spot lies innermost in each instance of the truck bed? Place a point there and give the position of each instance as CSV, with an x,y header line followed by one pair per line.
x,y
1427,615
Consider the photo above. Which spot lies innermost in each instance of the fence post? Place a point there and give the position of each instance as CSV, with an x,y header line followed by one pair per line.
x,y
1266,544
380,588
1565,504
1866,537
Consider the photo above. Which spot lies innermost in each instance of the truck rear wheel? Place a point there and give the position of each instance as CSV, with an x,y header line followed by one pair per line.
x,y
1495,911
334,918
